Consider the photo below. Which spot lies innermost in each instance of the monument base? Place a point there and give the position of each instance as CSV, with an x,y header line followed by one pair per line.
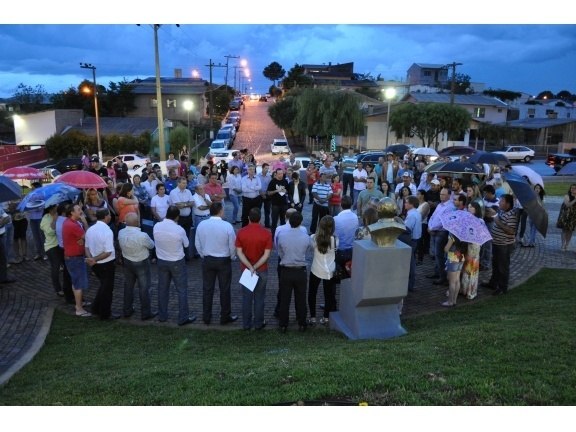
x,y
372,322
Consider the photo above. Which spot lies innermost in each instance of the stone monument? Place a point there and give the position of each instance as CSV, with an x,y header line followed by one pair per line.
x,y
369,300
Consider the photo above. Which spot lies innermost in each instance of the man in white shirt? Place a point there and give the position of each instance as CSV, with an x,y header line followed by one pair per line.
x,y
181,197
101,257
172,163
359,175
150,184
135,245
160,203
216,243
251,187
201,210
170,240
406,181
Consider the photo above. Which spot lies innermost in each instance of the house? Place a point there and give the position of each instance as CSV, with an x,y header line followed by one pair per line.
x,y
329,74
426,74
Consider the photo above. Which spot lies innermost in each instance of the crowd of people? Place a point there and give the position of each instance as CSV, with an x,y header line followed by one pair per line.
x,y
170,220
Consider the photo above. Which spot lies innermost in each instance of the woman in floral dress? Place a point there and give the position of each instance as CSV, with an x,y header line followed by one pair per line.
x,y
469,282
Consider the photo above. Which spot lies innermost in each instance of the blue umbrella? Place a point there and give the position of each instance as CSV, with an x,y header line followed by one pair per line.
x,y
524,193
568,169
9,190
51,194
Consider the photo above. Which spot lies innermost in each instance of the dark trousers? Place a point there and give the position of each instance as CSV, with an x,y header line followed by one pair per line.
x,y
440,238
3,258
102,304
137,272
501,266
186,223
266,211
247,205
55,260
522,222
318,212
310,197
66,279
292,279
329,286
412,274
424,243
212,268
278,215
347,182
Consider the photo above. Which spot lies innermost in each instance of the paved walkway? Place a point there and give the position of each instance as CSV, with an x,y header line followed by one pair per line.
x,y
27,306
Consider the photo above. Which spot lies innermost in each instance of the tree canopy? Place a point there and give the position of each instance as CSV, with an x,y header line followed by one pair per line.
x,y
503,95
296,78
274,71
428,120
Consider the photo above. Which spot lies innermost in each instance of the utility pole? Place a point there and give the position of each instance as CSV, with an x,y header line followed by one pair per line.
x,y
212,65
95,90
161,145
453,83
228,57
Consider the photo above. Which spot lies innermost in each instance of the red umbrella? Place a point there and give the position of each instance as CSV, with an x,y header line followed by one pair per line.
x,y
24,172
82,180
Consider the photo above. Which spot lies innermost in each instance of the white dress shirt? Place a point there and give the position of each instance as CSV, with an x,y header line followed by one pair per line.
x,y
201,201
134,243
181,196
216,238
150,187
99,239
251,187
161,204
170,240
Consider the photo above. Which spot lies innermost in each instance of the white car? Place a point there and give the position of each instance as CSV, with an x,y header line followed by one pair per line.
x,y
280,146
218,155
133,160
218,145
138,171
517,153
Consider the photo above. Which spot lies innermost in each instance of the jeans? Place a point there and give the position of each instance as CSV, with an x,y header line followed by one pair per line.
x,y
439,240
266,212
254,301
212,268
3,261
186,223
102,304
66,279
531,232
278,212
197,220
172,271
37,236
522,217
55,260
10,242
318,212
347,182
137,272
235,200
412,274
250,203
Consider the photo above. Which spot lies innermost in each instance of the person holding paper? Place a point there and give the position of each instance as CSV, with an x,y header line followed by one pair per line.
x,y
253,246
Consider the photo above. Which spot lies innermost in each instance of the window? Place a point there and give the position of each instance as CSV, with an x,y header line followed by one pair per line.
x,y
171,103
153,103
479,112
427,73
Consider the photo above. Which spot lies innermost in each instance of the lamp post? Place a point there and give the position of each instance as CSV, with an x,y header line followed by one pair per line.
x,y
389,94
188,105
98,142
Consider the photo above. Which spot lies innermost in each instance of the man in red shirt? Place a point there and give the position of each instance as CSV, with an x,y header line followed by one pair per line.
x,y
214,189
73,232
253,246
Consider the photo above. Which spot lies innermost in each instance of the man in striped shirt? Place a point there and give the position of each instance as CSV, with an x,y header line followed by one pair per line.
x,y
321,191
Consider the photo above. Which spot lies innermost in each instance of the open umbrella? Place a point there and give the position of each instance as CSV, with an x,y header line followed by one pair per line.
x,y
483,157
455,168
23,173
466,226
397,149
9,189
51,194
425,151
524,193
532,176
568,169
82,180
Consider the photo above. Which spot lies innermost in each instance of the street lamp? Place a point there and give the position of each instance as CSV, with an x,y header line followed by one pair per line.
x,y
389,94
89,66
188,105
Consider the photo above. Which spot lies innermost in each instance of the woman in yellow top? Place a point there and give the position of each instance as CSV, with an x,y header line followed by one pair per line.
x,y
48,227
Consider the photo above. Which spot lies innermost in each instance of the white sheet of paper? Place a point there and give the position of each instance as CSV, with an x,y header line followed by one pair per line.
x,y
249,280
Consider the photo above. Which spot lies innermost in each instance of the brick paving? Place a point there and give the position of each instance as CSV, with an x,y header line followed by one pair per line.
x,y
26,307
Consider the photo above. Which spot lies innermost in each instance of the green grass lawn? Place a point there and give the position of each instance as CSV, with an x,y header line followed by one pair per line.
x,y
557,188
516,349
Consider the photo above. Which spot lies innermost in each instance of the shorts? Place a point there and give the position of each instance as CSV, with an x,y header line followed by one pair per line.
x,y
20,228
78,272
454,266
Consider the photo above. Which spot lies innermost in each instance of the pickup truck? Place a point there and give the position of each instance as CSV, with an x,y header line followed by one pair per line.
x,y
558,160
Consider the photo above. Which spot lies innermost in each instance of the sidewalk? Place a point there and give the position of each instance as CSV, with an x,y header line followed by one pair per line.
x,y
27,306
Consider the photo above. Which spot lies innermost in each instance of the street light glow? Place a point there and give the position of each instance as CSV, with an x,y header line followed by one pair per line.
x,y
195,73
390,93
188,105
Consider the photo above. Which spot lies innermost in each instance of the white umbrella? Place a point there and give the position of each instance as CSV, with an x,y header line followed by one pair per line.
x,y
425,151
532,176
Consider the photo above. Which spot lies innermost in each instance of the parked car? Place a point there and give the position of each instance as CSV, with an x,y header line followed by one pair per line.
x,y
517,153
229,127
218,145
280,146
234,105
455,152
218,155
371,156
133,160
558,160
138,171
68,164
225,135
263,99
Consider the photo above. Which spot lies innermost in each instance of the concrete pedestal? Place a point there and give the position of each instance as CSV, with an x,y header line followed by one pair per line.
x,y
369,300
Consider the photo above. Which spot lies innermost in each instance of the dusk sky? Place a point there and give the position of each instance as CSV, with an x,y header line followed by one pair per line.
x,y
518,57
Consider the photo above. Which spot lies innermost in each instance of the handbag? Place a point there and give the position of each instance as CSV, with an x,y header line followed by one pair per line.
x,y
343,268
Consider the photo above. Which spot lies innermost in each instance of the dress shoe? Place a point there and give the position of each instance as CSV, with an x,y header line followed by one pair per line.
x,y
262,326
189,320
440,282
228,320
432,276
149,317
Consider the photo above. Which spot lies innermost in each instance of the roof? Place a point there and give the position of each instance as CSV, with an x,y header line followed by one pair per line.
x,y
429,65
134,126
473,99
170,86
536,123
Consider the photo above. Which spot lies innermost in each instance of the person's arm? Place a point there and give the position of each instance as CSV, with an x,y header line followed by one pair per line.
x,y
90,260
567,201
449,244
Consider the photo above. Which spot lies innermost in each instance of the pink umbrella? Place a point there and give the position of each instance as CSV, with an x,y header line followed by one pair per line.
x,y
24,173
465,226
82,180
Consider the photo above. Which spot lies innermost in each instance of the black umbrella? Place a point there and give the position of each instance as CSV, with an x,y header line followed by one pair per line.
x,y
489,158
455,168
524,193
397,149
9,190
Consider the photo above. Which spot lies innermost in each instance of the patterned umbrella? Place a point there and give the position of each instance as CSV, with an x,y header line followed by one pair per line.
x,y
51,194
82,180
24,173
466,226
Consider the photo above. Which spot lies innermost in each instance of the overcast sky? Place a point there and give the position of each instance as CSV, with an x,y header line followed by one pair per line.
x,y
518,57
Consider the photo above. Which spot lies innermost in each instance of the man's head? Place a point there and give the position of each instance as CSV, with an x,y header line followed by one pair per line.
x,y
172,174
456,184
265,167
506,202
132,220
95,162
435,184
489,191
444,194
171,156
290,211
160,189
216,209
213,178
359,165
370,183
103,215
460,202
182,183
279,174
406,178
173,213
295,177
295,220
74,211
327,163
411,202
254,215
346,202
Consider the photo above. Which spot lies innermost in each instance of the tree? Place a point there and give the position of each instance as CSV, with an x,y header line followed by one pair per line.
x,y
29,98
296,78
565,95
283,113
275,91
178,139
221,96
503,95
120,98
68,99
428,120
546,94
461,85
274,72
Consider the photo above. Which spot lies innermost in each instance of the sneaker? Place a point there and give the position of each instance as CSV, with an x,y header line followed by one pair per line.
x,y
312,321
36,257
324,321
